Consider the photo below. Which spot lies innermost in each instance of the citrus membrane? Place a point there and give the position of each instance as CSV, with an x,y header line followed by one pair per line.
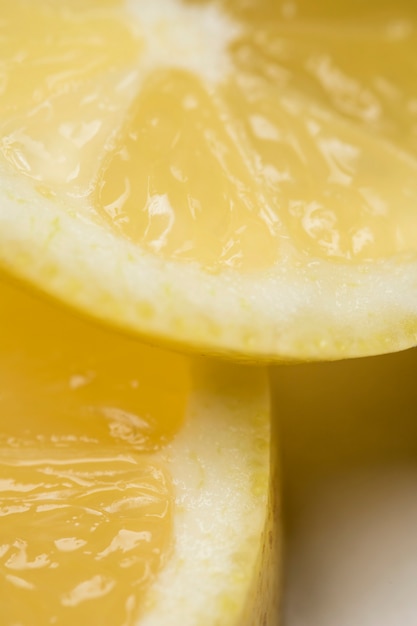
x,y
236,179
134,483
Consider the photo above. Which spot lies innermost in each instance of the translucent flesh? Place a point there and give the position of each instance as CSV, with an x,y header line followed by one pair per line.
x,y
288,135
63,79
86,506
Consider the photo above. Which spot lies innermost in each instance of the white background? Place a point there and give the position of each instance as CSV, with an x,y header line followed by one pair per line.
x,y
349,437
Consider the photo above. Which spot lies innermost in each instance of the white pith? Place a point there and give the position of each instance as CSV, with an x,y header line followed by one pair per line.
x,y
193,38
221,471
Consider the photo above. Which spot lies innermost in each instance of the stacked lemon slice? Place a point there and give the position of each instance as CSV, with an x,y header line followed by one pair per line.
x,y
234,179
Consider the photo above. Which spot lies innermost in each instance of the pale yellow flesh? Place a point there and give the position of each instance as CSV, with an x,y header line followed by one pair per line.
x,y
306,135
86,504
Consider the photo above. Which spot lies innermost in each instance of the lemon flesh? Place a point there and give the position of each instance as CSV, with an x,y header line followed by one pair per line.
x,y
238,180
134,483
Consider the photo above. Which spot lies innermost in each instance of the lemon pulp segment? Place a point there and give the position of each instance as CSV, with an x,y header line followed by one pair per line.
x,y
295,148
295,140
86,506
54,63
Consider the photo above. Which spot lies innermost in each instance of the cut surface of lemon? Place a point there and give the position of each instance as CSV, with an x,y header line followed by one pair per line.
x,y
134,483
237,178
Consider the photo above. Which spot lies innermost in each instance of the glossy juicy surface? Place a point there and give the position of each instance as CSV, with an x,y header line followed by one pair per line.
x,y
228,134
85,503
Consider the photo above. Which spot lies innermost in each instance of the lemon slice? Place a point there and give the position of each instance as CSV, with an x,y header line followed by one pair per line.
x,y
240,181
134,483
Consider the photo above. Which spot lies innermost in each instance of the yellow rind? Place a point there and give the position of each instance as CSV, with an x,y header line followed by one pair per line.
x,y
264,602
220,464
308,310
